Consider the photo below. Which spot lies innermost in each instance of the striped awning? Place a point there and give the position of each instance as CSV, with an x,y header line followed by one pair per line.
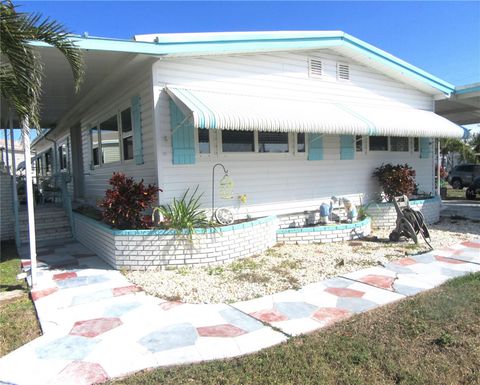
x,y
224,111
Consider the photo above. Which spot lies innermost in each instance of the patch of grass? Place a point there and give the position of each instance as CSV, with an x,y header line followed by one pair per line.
x,y
18,319
453,194
428,339
18,324
216,270
252,277
184,270
244,265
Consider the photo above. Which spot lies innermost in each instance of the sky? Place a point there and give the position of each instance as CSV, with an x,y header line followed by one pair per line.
x,y
442,37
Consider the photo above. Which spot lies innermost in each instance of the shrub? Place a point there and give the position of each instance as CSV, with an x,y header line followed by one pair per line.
x,y
183,215
124,204
395,180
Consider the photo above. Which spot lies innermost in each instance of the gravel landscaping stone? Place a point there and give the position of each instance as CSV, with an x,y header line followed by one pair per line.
x,y
292,266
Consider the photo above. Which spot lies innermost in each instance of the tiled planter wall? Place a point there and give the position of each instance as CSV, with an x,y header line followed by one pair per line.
x,y
384,215
143,249
7,220
324,234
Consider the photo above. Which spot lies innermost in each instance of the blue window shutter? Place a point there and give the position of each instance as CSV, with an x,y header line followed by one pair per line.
x,y
315,146
137,129
425,150
183,137
347,147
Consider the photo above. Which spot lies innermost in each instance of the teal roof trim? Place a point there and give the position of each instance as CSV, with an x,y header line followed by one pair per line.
x,y
224,43
467,90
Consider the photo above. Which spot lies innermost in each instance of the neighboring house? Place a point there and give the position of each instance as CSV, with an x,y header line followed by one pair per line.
x,y
18,153
296,117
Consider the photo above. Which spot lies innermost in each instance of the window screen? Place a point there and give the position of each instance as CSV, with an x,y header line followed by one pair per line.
x,y
272,142
203,141
378,143
238,141
398,144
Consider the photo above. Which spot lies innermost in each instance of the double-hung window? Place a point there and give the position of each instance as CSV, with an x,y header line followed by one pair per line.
x,y
112,139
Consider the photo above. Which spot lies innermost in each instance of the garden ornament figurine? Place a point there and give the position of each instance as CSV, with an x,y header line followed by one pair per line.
x,y
325,210
350,210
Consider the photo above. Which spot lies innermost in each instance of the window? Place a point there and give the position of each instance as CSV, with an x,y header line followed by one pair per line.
x,y
301,142
416,144
238,141
110,140
273,142
95,146
127,133
398,144
378,143
203,141
48,161
359,143
465,168
63,156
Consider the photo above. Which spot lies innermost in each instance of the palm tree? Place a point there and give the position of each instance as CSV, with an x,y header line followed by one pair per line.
x,y
21,80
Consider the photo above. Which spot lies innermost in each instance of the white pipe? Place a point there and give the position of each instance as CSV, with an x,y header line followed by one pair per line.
x,y
14,183
30,197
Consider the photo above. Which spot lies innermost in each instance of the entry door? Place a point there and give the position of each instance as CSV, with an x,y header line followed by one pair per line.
x,y
77,162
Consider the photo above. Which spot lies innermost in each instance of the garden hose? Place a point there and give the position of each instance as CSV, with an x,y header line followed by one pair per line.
x,y
418,222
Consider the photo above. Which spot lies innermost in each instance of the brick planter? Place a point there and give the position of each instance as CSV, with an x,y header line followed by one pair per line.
x,y
384,215
144,249
324,234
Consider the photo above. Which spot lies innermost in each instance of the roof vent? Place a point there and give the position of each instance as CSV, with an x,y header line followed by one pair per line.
x,y
343,71
315,69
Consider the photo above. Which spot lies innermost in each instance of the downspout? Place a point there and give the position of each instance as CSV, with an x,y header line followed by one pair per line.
x,y
14,183
438,167
6,149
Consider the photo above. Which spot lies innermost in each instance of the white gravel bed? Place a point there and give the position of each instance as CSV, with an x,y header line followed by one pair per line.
x,y
290,266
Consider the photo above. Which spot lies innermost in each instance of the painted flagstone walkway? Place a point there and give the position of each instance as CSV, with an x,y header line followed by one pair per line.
x,y
98,326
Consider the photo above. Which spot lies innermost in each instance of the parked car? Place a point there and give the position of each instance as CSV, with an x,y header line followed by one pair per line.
x,y
473,189
463,175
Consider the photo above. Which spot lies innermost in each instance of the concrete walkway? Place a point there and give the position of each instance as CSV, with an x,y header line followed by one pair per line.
x,y
98,326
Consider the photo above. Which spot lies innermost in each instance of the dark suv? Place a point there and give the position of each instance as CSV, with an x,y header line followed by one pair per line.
x,y
463,175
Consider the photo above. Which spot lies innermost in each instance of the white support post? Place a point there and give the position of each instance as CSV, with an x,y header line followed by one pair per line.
x,y
30,197
438,167
14,183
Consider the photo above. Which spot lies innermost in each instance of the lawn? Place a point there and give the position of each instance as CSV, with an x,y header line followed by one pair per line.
x,y
432,338
18,320
453,194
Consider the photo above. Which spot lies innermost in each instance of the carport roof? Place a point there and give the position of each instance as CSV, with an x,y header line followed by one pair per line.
x,y
463,107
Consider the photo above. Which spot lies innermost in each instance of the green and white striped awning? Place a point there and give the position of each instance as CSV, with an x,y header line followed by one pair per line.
x,y
224,111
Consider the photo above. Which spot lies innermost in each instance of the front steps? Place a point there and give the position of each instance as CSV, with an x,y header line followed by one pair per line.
x,y
51,225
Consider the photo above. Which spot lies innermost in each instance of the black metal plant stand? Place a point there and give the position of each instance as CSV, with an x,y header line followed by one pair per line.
x,y
213,186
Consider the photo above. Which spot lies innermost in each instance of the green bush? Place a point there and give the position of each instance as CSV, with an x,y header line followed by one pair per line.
x,y
395,180
183,215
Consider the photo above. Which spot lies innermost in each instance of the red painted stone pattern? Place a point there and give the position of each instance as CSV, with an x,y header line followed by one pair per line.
x,y
448,260
81,373
225,330
344,292
63,276
405,262
94,327
269,315
329,315
473,245
170,305
381,281
118,291
36,295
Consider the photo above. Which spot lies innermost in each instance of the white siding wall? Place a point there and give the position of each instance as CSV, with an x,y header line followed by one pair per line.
x,y
281,183
96,180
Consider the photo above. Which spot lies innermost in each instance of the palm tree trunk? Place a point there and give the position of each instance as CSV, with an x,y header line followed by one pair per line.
x,y
30,201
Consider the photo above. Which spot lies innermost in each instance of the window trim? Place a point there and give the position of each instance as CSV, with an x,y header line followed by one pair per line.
x,y
117,111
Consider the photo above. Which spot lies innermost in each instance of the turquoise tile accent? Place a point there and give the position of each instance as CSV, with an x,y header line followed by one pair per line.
x,y
324,228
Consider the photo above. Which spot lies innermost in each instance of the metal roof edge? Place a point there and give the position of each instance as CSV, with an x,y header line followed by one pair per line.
x,y
257,42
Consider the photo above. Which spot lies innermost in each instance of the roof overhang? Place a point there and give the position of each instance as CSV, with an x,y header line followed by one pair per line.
x,y
463,107
215,110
